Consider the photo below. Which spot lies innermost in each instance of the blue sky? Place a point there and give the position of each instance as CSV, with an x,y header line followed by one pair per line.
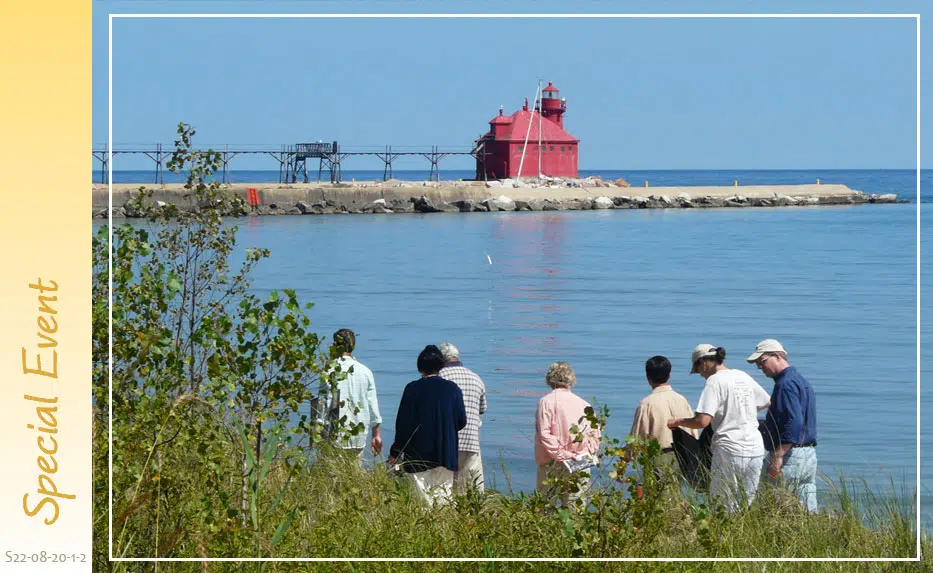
x,y
641,93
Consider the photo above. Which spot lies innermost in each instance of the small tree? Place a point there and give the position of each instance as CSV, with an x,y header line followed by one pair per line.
x,y
197,362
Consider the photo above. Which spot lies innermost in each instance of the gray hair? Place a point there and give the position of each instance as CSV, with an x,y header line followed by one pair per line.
x,y
560,375
450,352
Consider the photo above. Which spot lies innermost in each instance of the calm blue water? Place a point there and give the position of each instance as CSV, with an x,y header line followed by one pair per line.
x,y
605,290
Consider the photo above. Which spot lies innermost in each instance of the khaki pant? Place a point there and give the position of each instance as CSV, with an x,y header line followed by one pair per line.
x,y
554,469
353,454
666,476
666,465
470,472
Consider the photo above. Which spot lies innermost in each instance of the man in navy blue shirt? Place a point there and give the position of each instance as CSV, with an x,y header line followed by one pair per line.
x,y
790,423
429,416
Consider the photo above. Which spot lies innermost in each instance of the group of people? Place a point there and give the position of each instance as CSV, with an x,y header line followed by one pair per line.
x,y
729,404
437,425
439,416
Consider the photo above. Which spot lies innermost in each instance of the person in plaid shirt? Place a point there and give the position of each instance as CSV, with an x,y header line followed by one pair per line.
x,y
474,398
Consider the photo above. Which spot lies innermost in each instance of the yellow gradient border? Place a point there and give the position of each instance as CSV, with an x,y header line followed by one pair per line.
x,y
45,50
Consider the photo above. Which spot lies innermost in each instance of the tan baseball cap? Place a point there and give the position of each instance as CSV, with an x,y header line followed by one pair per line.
x,y
701,351
766,346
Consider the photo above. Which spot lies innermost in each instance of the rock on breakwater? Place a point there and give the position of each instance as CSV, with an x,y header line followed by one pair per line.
x,y
474,197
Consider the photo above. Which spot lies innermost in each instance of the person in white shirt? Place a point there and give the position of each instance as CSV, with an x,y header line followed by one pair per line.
x,y
730,402
355,398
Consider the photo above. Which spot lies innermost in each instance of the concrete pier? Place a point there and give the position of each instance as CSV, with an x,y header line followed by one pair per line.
x,y
472,196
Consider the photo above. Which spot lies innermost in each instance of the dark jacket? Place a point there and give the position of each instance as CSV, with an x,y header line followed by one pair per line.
x,y
429,416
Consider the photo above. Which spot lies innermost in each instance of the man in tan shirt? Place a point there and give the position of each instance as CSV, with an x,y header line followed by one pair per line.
x,y
657,408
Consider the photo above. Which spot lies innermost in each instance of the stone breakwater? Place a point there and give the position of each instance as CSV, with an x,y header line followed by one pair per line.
x,y
473,197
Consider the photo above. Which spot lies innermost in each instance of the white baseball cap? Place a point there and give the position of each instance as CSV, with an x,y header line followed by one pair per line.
x,y
766,346
701,351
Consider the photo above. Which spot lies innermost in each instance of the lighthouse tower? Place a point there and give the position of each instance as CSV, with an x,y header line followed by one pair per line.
x,y
552,107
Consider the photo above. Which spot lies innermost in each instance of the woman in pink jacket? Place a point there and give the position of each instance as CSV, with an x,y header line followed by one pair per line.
x,y
554,442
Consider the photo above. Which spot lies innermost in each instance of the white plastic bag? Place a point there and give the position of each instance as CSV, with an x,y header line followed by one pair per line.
x,y
581,462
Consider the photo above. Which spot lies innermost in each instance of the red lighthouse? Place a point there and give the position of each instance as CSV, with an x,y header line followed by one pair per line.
x,y
500,150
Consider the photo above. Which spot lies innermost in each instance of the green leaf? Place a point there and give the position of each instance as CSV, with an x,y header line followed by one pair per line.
x,y
173,283
269,451
279,499
250,457
280,530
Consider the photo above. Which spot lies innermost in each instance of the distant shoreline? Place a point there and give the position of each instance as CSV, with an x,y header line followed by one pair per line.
x,y
396,196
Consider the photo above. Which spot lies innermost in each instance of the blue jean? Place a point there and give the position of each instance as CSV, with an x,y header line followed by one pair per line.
x,y
799,474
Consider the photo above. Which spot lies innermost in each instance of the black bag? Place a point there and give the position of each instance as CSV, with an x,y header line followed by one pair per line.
x,y
694,456
767,437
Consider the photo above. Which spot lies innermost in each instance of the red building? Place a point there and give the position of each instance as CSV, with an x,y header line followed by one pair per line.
x,y
500,150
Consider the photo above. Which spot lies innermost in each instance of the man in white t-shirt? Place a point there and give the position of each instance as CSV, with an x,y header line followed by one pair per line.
x,y
730,402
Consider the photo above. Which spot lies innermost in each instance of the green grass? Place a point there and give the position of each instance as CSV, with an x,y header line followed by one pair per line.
x,y
342,511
